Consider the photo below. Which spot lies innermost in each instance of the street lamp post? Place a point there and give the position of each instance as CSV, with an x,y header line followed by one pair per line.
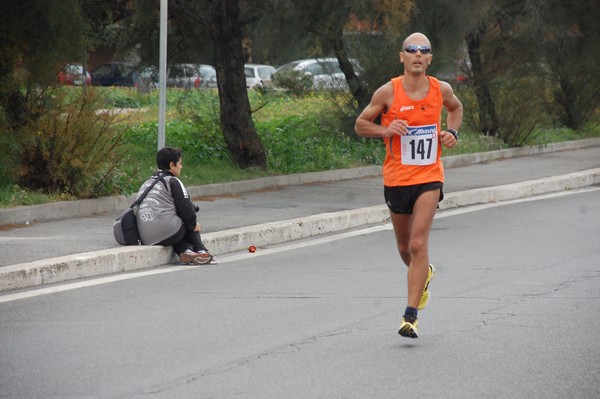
x,y
162,74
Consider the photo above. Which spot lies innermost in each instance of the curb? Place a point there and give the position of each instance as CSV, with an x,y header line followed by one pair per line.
x,y
122,259
524,189
115,204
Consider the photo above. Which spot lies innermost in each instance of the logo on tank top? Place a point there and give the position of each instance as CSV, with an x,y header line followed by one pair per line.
x,y
406,108
423,130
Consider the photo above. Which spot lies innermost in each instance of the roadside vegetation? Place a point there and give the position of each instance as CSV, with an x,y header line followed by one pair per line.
x,y
61,143
102,141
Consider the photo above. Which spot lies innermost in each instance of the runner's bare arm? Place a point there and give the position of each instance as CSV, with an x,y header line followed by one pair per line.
x,y
380,102
455,113
453,106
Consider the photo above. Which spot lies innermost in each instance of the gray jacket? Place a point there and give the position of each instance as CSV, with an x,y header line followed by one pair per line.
x,y
164,210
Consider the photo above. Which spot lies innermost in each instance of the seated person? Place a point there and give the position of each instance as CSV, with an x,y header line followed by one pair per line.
x,y
167,215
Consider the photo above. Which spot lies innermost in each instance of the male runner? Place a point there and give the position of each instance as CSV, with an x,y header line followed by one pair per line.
x,y
411,114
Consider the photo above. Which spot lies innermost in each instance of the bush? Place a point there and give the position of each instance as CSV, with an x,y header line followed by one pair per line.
x,y
295,82
313,142
74,152
10,149
200,133
116,98
71,148
521,104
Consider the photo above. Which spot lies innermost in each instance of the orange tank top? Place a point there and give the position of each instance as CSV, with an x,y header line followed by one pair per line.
x,y
415,158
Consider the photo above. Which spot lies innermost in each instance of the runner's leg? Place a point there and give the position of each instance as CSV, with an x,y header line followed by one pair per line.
x,y
418,246
402,224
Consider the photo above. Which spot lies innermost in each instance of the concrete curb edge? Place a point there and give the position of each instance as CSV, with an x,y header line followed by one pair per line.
x,y
122,259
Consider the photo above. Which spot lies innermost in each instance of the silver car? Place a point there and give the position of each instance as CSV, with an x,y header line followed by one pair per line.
x,y
207,75
258,75
191,76
325,73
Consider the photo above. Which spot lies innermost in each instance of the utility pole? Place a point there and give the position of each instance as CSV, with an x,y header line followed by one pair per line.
x,y
162,74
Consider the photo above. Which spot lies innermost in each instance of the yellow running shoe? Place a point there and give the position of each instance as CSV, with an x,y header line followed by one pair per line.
x,y
408,329
426,295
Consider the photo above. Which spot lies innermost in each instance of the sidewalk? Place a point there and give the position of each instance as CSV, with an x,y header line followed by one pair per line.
x,y
51,243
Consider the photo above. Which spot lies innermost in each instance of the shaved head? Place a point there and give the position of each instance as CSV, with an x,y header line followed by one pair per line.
x,y
416,38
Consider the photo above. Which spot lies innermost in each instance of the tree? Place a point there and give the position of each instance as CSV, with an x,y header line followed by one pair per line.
x,y
224,20
497,46
278,36
326,20
52,140
570,49
104,17
474,38
330,23
446,37
37,38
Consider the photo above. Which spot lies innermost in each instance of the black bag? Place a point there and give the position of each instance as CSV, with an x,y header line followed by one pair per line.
x,y
125,226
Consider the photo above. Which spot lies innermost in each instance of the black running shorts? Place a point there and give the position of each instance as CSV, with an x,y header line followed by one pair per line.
x,y
401,199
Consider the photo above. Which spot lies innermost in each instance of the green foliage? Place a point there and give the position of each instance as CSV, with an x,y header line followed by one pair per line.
x,y
523,105
557,134
62,146
200,110
115,98
308,134
295,82
198,145
519,113
38,37
302,145
194,128
15,195
299,134
9,152
71,148
569,52
471,143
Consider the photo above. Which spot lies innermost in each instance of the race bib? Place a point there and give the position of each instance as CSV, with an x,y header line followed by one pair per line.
x,y
419,146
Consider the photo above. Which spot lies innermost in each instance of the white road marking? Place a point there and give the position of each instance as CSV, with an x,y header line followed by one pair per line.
x,y
90,283
262,252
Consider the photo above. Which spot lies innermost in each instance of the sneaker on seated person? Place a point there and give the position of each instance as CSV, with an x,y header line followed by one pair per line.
x,y
190,256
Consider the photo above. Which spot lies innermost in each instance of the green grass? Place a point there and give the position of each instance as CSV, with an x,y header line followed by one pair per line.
x,y
299,135
18,196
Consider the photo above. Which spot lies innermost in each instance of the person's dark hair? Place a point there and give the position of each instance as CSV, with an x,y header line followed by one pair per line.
x,y
166,155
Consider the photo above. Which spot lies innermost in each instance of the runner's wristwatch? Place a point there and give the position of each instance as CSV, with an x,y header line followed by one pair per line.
x,y
453,132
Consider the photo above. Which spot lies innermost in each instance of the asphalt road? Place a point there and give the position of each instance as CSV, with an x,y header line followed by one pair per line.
x,y
514,313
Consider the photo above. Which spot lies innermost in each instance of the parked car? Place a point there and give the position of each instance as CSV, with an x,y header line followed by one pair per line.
x,y
114,74
208,76
147,78
74,74
325,73
258,75
181,75
191,75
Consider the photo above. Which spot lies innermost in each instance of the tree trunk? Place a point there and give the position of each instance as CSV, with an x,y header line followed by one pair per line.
x,y
568,100
16,109
358,90
488,119
240,133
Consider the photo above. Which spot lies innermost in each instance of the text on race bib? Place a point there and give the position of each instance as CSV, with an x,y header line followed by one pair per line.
x,y
420,146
